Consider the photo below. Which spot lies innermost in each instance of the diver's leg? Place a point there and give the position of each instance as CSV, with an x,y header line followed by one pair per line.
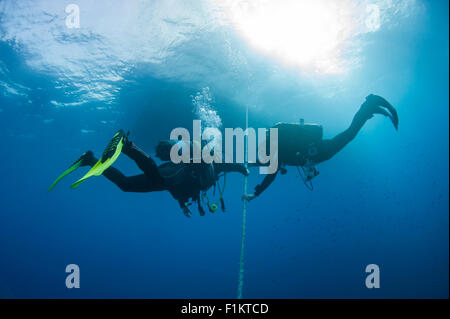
x,y
143,161
326,149
139,183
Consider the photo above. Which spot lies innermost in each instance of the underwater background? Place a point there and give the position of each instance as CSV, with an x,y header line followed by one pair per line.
x,y
151,66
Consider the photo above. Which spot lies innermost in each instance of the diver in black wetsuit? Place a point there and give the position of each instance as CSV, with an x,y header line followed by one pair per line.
x,y
303,145
183,181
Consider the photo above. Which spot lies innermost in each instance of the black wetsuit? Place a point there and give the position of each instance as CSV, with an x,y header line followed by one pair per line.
x,y
324,149
183,181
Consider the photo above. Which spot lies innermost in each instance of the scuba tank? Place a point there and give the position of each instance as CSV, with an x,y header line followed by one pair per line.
x,y
296,141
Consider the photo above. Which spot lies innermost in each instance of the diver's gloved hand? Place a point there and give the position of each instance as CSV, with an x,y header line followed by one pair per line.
x,y
376,104
186,211
248,197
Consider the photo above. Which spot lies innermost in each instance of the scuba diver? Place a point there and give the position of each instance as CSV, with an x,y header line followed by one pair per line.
x,y
184,181
302,145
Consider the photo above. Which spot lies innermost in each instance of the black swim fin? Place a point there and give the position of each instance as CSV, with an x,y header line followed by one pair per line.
x,y
378,102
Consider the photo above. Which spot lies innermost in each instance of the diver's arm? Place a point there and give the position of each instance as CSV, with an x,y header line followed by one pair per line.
x,y
231,167
265,183
261,187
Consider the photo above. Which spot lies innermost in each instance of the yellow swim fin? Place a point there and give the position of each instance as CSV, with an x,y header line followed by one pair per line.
x,y
72,167
110,154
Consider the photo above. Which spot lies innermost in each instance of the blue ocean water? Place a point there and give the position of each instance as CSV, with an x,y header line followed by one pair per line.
x,y
139,65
